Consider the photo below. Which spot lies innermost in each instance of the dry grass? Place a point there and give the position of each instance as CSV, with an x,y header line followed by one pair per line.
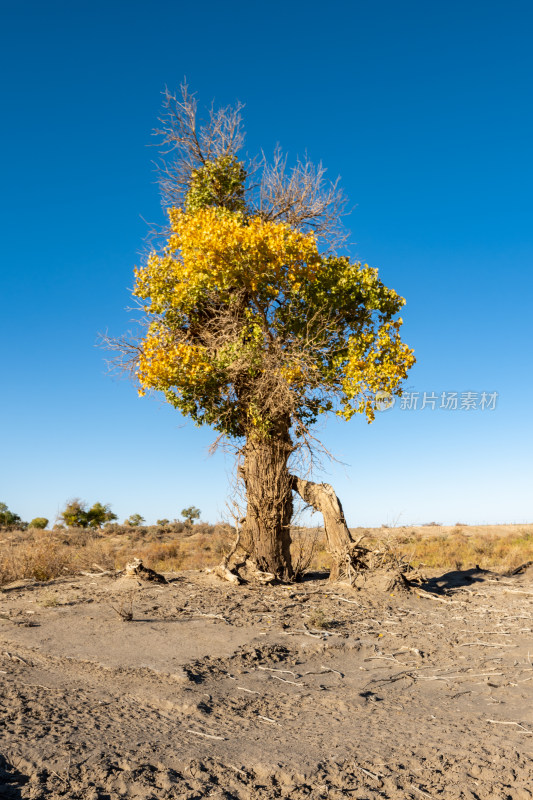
x,y
44,555
461,549
319,619
498,547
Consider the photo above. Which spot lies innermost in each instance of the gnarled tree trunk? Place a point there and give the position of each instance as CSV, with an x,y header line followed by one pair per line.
x,y
322,497
269,503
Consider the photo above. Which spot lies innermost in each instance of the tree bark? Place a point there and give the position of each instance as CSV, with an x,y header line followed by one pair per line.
x,y
322,497
269,503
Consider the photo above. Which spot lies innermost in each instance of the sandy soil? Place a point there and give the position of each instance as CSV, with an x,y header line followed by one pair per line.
x,y
238,692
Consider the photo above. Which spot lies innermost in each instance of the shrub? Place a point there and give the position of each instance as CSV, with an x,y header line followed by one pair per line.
x,y
134,520
304,548
318,619
39,522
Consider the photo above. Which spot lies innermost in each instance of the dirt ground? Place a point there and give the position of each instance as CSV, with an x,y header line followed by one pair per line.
x,y
307,691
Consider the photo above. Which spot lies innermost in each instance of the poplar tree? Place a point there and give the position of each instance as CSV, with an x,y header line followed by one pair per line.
x,y
254,324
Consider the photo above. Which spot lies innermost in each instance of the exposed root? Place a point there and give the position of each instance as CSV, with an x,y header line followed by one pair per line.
x,y
240,570
225,574
353,563
243,571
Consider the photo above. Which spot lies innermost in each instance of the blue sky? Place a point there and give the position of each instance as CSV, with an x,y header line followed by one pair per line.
x,y
423,109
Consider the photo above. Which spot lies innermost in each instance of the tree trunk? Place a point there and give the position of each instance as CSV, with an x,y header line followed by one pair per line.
x,y
269,498
322,497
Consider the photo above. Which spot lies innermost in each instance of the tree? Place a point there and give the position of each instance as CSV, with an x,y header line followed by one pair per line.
x,y
39,522
7,517
99,514
191,514
253,323
77,515
134,520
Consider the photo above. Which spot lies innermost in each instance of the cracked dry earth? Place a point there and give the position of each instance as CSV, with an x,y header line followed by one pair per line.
x,y
231,692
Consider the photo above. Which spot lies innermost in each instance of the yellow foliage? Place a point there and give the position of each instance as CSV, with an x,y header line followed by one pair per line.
x,y
217,250
376,361
164,362
304,334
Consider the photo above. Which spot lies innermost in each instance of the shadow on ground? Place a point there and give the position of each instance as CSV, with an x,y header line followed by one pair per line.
x,y
317,575
456,579
11,780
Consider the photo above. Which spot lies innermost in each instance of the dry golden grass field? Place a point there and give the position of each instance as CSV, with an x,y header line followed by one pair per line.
x,y
45,555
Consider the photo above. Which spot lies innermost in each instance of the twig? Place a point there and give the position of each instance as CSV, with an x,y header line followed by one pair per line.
x,y
312,631
330,669
244,689
236,769
425,794
58,776
273,669
486,644
424,595
393,678
367,772
459,675
503,722
521,567
294,683
206,735
267,719
97,574
322,671
345,600
384,658
14,657
305,632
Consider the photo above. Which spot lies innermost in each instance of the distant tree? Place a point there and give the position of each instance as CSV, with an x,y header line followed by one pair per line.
x,y
99,514
39,522
77,515
74,515
163,522
191,514
7,517
134,520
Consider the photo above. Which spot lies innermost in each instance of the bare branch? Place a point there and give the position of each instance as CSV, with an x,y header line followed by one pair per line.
x,y
301,197
126,349
191,142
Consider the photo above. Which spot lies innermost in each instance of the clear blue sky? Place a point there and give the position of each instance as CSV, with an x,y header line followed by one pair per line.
x,y
424,110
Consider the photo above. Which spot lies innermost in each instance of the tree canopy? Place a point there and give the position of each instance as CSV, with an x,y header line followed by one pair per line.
x,y
248,321
8,517
190,514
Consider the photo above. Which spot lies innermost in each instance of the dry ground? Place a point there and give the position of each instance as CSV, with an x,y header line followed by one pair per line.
x,y
307,691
